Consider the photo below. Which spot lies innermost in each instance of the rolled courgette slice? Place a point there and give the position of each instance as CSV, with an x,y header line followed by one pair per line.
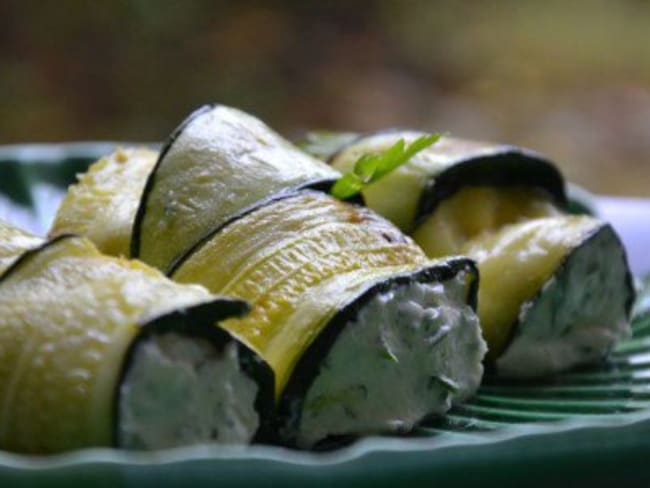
x,y
364,334
13,243
555,293
216,163
102,204
98,351
413,192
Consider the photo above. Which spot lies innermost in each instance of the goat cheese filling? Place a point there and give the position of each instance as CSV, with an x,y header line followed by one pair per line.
x,y
411,352
181,390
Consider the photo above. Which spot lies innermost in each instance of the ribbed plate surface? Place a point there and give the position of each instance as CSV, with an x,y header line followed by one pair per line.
x,y
588,426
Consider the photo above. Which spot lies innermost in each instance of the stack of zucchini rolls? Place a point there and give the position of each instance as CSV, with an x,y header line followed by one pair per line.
x,y
364,333
556,290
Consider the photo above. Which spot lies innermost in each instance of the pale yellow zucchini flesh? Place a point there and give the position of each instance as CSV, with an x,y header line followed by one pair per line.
x,y
476,210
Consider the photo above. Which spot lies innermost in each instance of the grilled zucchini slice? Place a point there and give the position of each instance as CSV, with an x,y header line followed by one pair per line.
x,y
102,204
217,162
364,334
100,351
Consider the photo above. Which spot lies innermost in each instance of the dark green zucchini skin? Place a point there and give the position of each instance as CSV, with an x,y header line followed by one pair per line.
x,y
308,367
323,185
198,321
508,167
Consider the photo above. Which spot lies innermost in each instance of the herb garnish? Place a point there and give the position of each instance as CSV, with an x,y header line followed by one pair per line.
x,y
371,167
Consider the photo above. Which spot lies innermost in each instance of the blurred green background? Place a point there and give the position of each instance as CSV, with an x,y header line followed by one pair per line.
x,y
568,78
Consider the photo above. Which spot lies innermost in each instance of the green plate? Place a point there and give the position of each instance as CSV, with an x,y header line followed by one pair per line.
x,y
587,426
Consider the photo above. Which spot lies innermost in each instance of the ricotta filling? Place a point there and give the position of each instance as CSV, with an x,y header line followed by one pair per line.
x,y
579,314
411,352
181,390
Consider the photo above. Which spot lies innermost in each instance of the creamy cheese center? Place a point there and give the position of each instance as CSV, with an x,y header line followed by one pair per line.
x,y
411,351
181,390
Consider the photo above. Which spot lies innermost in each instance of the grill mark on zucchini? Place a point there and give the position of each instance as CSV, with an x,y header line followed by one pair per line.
x,y
326,227
283,287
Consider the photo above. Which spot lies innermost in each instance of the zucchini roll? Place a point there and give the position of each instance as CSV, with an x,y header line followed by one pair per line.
x,y
217,162
99,351
102,204
555,290
472,186
364,334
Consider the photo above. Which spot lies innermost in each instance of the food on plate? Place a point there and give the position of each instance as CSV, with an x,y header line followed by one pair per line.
x,y
555,291
103,203
100,351
235,207
365,335
365,331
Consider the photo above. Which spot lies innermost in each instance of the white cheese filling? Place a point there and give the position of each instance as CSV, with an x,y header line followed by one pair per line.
x,y
181,390
411,352
579,314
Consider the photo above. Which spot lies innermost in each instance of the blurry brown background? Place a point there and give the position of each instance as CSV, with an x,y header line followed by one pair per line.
x,y
568,78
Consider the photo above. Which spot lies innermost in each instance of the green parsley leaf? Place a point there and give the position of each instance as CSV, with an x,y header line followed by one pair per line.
x,y
372,167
